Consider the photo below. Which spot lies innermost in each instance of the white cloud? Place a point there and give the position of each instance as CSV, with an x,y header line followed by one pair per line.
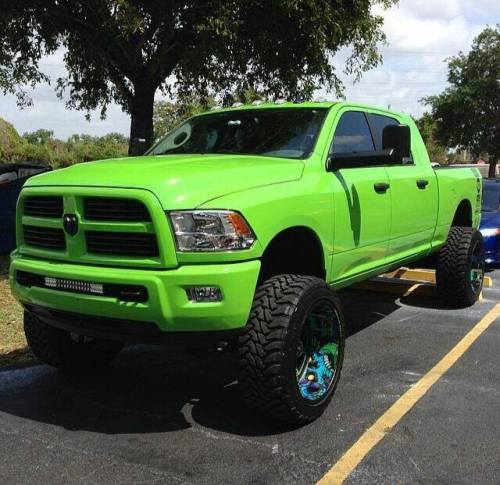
x,y
426,9
421,34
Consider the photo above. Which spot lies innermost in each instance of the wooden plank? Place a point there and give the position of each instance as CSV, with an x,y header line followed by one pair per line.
x,y
426,275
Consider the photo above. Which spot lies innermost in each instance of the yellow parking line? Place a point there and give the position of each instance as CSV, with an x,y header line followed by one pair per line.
x,y
351,459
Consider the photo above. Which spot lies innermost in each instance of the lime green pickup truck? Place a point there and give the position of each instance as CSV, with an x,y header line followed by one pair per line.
x,y
235,230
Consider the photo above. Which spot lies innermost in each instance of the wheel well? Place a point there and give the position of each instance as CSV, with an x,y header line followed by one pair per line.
x,y
296,250
463,214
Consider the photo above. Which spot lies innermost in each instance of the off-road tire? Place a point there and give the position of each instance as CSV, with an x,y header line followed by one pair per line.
x,y
57,348
454,266
267,348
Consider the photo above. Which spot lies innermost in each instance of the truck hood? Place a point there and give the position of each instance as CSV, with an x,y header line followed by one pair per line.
x,y
179,181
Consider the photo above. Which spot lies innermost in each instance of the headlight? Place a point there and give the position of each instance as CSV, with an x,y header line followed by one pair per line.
x,y
494,231
211,230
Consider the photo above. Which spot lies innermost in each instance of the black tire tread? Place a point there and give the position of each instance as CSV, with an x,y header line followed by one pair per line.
x,y
261,346
55,347
452,278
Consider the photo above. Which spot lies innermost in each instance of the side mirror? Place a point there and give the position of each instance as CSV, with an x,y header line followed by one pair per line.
x,y
397,138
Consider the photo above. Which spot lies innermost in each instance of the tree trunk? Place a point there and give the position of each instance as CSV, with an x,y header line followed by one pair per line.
x,y
493,169
141,126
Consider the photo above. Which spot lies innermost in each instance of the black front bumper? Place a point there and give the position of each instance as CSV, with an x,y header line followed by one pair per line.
x,y
127,331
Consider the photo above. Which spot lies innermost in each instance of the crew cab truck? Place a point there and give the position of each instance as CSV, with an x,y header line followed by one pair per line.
x,y
238,227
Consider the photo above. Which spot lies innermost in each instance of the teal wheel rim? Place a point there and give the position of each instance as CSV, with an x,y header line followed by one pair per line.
x,y
318,352
476,274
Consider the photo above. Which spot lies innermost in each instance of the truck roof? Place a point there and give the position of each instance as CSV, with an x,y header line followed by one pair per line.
x,y
295,104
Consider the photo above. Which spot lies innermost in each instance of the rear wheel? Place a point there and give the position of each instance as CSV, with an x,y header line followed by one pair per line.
x,y
460,268
291,352
66,350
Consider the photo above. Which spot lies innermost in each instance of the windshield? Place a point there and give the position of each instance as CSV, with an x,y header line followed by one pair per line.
x,y
285,133
491,198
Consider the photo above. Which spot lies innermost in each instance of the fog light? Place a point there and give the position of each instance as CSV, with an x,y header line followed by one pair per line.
x,y
204,294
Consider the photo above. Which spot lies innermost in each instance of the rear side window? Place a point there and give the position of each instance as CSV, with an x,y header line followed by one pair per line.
x,y
378,123
352,134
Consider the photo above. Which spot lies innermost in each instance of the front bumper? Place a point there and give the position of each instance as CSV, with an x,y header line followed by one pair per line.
x,y
167,307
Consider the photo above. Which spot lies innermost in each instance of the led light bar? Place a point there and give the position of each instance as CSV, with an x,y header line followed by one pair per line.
x,y
74,285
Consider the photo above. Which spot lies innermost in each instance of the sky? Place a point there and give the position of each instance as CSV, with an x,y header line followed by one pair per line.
x,y
421,34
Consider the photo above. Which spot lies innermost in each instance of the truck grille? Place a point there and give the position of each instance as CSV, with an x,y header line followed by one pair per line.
x,y
114,209
44,237
43,206
122,243
95,226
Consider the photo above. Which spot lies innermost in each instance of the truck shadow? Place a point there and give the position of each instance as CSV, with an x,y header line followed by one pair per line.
x,y
155,389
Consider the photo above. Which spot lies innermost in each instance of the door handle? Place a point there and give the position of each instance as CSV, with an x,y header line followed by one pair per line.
x,y
422,183
381,187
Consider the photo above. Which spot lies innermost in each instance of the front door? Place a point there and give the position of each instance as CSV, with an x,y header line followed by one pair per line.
x,y
361,200
414,198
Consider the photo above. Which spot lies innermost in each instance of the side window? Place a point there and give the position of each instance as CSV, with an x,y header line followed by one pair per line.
x,y
352,134
378,123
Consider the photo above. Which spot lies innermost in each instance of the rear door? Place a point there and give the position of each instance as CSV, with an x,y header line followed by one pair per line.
x,y
362,213
414,197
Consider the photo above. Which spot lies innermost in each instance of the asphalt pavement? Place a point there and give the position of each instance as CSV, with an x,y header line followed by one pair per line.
x,y
160,415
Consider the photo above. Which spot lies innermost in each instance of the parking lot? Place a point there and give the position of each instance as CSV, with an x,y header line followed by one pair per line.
x,y
164,416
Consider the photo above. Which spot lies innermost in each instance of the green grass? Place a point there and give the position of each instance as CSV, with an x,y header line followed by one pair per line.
x,y
13,347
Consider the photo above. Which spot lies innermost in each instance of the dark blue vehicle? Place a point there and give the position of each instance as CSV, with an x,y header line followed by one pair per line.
x,y
490,221
12,178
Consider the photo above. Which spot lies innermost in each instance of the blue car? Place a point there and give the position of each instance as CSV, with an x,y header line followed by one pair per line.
x,y
490,221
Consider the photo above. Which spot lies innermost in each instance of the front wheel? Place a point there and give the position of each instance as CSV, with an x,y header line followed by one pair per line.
x,y
65,350
292,349
460,268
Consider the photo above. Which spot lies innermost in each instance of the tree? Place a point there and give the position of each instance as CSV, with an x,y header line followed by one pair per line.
x,y
468,111
124,51
39,137
10,142
41,146
428,127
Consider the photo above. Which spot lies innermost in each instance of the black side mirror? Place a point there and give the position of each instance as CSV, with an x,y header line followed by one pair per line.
x,y
397,138
337,161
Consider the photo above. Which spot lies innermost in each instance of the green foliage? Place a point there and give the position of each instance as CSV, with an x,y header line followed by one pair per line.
x,y
39,137
41,146
468,112
10,142
428,127
85,148
124,51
